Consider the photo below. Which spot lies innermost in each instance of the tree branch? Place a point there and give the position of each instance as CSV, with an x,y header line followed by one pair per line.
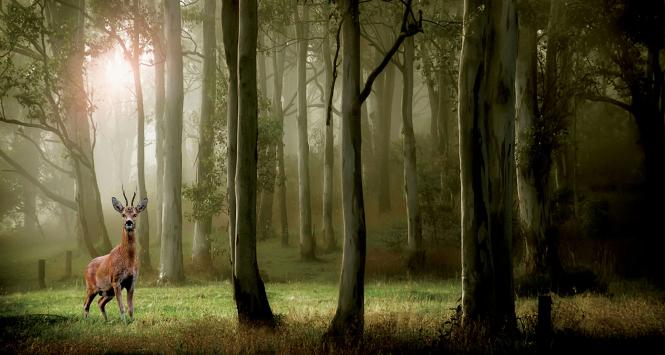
x,y
609,100
407,30
43,155
45,190
329,108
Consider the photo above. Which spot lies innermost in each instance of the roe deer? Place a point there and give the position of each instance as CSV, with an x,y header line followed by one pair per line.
x,y
107,275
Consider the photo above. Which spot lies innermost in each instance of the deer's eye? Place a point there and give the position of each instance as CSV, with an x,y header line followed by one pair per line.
x,y
134,215
124,215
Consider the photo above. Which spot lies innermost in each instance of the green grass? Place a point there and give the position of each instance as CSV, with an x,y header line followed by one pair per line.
x,y
401,314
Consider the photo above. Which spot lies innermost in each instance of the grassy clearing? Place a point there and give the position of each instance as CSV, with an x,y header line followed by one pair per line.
x,y
402,315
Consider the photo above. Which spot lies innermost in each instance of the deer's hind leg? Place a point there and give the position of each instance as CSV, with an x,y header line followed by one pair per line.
x,y
106,298
88,300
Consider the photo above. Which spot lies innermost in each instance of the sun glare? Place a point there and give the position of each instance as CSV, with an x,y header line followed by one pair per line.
x,y
117,70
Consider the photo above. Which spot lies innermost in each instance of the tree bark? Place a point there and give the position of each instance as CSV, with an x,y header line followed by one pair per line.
x,y
304,197
160,94
68,17
486,121
201,256
144,226
250,295
230,37
329,156
415,236
348,322
383,147
270,158
278,83
171,266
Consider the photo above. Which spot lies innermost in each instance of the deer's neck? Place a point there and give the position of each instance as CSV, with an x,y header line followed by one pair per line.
x,y
129,241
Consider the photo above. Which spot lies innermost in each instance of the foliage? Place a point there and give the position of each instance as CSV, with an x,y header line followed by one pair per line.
x,y
438,182
208,196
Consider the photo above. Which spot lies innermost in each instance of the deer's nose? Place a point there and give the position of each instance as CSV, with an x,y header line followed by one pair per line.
x,y
129,224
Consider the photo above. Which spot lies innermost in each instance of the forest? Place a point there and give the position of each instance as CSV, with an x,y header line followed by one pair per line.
x,y
332,176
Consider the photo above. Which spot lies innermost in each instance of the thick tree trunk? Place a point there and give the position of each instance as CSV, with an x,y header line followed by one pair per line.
x,y
415,234
348,322
250,295
144,226
201,256
69,18
329,155
305,202
486,121
230,37
160,94
533,163
171,266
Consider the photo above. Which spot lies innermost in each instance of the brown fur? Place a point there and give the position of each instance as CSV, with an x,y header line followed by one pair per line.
x,y
107,275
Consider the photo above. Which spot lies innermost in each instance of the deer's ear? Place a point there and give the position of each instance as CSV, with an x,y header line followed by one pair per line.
x,y
142,205
117,205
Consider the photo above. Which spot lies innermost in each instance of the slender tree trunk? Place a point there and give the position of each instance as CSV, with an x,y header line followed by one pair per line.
x,y
278,83
432,93
270,157
382,151
329,155
348,322
486,121
160,94
415,234
230,37
304,198
171,267
250,295
533,160
144,226
201,256
30,158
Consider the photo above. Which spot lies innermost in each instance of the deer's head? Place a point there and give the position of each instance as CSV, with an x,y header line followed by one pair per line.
x,y
130,212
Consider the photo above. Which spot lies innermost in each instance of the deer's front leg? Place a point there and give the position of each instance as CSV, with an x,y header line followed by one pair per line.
x,y
118,295
130,301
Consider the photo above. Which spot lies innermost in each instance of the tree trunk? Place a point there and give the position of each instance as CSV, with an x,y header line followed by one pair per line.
x,y
415,235
31,163
69,18
432,93
270,158
230,37
486,121
329,155
348,322
171,267
278,83
160,93
201,256
533,162
250,295
383,146
304,198
144,226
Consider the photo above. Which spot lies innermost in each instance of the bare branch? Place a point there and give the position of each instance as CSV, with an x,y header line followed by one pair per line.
x,y
407,30
45,190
